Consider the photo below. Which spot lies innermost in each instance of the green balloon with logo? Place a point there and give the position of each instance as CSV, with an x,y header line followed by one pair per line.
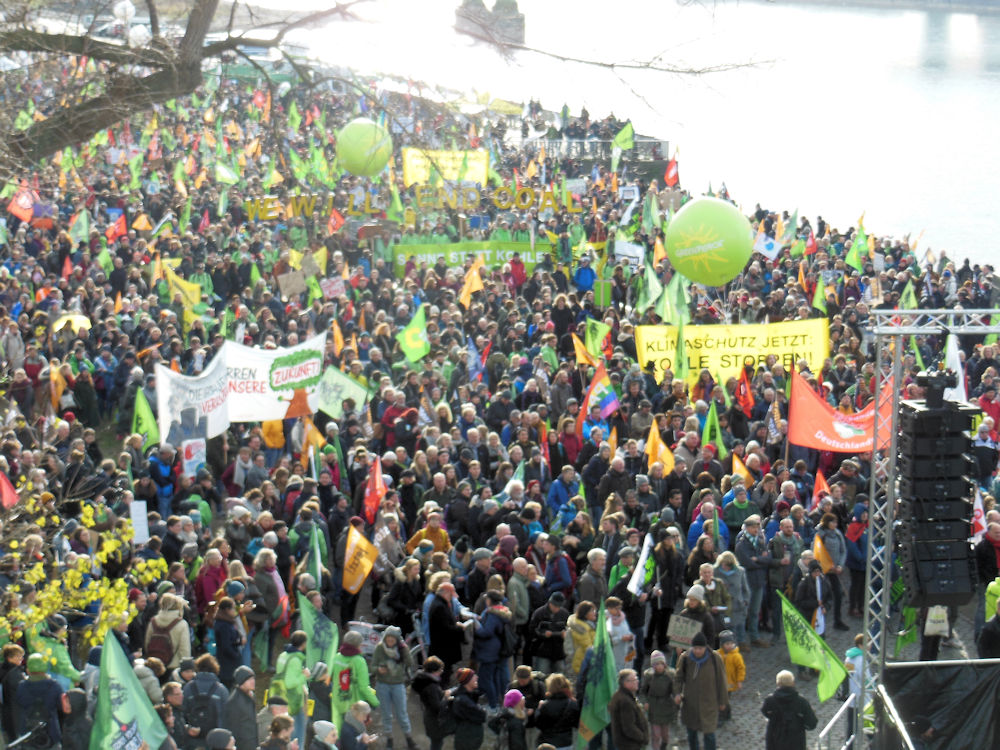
x,y
363,147
709,241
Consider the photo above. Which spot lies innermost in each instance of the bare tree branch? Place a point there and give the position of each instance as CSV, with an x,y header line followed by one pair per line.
x,y
29,40
154,17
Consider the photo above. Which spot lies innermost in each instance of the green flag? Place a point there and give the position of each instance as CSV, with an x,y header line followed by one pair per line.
x,y
712,432
819,301
105,260
395,211
143,421
413,339
680,356
517,476
323,634
908,298
180,176
223,203
185,219
294,118
725,391
315,567
625,139
807,649
859,247
79,230
910,632
224,173
650,291
594,335
602,682
254,276
650,214
135,167
333,388
124,716
798,249
23,121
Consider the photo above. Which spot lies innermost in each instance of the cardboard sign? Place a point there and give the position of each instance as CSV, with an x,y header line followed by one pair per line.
x,y
332,288
630,253
309,265
682,630
292,284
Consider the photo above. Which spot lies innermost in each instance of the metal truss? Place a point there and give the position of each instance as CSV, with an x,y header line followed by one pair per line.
x,y
892,329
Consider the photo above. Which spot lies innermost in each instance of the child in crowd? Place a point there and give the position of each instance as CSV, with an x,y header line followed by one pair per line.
x,y
732,659
656,693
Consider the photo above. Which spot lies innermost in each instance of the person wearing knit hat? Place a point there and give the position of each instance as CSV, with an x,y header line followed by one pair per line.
x,y
392,663
470,717
234,589
656,694
353,681
512,719
696,609
324,734
239,714
700,689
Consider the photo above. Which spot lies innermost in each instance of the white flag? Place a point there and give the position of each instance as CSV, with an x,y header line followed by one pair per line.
x,y
978,517
953,362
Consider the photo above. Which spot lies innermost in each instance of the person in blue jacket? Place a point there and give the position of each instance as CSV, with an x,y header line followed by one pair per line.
x,y
562,490
857,558
585,276
488,648
160,471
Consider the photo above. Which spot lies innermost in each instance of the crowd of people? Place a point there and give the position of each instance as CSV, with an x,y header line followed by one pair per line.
x,y
502,525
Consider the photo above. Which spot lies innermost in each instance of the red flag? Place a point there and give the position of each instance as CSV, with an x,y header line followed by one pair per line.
x,y
482,360
205,221
22,205
335,223
117,229
811,247
670,176
375,491
744,393
8,495
67,269
820,489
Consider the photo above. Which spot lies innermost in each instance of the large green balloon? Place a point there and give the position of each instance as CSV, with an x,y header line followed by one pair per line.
x,y
709,241
363,147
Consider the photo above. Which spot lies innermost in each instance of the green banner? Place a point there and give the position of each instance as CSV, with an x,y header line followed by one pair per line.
x,y
807,649
493,253
333,388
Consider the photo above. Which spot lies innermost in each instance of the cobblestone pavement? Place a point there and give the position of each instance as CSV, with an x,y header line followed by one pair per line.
x,y
745,731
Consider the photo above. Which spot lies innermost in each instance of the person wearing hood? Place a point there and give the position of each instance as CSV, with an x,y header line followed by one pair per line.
x,y
39,698
78,724
238,713
392,662
789,715
581,630
427,685
354,731
489,647
149,672
856,540
168,626
291,670
52,640
324,736
353,682
700,690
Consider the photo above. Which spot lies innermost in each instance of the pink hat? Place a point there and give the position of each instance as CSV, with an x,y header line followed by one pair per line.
x,y
511,698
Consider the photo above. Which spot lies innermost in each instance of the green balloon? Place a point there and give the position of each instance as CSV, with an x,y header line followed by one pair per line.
x,y
363,147
709,241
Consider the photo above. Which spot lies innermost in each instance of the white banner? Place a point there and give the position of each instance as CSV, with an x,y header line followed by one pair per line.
x,y
192,407
273,383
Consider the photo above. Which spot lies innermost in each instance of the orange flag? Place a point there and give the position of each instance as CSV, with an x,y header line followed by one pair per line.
x,y
473,283
374,491
659,253
118,303
741,468
820,488
116,230
813,423
57,383
582,355
613,440
821,553
338,339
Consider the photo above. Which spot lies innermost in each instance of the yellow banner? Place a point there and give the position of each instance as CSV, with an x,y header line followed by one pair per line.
x,y
417,163
724,349
359,557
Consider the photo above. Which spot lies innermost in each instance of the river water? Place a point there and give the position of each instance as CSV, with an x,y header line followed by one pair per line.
x,y
839,111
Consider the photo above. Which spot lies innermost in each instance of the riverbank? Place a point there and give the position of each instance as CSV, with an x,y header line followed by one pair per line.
x,y
979,7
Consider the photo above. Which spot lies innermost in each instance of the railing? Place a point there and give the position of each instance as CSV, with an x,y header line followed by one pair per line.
x,y
825,738
646,149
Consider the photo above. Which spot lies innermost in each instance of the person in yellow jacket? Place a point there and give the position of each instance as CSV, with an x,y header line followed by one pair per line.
x,y
433,532
732,660
580,633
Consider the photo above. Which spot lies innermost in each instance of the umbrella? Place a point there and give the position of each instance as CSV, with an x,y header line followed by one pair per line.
x,y
76,322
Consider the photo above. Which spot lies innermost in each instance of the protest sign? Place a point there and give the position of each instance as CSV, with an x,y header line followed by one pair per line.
x,y
682,630
468,166
724,349
194,453
273,383
493,253
192,407
292,283
333,388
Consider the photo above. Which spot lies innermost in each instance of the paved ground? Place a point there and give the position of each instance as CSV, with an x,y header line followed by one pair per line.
x,y
746,729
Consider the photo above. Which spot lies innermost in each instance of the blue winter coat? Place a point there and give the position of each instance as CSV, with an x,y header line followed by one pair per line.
x,y
560,493
227,648
489,634
857,552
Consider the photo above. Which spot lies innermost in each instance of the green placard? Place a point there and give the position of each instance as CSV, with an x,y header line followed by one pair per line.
x,y
602,293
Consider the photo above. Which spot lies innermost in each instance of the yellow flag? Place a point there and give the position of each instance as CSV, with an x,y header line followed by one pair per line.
x,y
142,223
822,556
613,440
189,291
657,450
312,436
118,303
582,355
659,252
359,558
338,338
741,468
473,283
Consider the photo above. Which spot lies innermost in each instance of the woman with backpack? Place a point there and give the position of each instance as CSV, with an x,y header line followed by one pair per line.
x,y
168,636
433,701
558,716
290,680
392,662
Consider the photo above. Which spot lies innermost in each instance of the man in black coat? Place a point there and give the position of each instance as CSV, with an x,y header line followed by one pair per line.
x,y
629,727
447,636
547,625
788,714
239,714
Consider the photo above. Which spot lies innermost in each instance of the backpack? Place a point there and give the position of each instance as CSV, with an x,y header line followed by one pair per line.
x,y
37,716
301,545
204,710
160,644
447,722
508,640
571,566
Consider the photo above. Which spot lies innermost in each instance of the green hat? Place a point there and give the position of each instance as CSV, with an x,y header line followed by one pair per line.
x,y
37,664
328,449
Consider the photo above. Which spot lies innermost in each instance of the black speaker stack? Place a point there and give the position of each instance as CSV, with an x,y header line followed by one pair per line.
x,y
935,499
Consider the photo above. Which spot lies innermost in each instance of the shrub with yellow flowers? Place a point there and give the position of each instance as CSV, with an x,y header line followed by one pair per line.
x,y
90,589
